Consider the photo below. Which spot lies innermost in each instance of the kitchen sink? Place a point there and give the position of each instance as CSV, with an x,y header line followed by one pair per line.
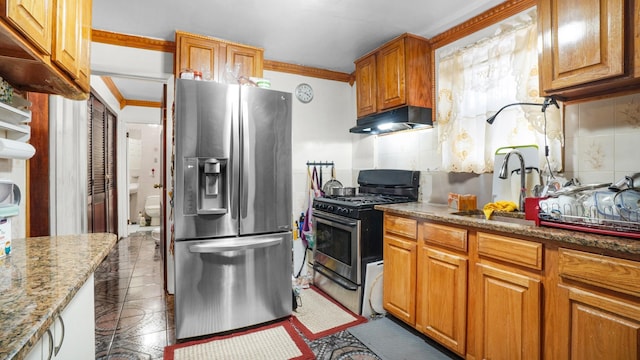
x,y
497,216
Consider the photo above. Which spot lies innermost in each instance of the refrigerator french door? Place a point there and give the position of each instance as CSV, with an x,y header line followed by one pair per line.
x,y
232,207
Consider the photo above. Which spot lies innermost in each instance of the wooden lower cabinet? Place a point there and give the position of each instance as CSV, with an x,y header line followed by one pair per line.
x,y
442,297
399,286
600,326
509,315
487,295
598,306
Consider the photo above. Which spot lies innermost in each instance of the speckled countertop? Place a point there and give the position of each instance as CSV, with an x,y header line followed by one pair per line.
x,y
38,280
625,247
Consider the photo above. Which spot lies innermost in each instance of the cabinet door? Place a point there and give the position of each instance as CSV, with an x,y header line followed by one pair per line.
x,y
250,59
66,53
36,352
366,86
197,54
33,18
583,41
399,286
84,66
601,327
508,315
442,297
390,63
76,338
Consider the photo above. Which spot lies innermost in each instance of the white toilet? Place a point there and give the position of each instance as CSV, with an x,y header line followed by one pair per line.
x,y
152,209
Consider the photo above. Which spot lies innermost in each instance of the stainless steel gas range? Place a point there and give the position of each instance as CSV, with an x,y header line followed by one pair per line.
x,y
349,232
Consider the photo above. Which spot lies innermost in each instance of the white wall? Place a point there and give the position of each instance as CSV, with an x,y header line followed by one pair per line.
x,y
132,62
320,130
68,165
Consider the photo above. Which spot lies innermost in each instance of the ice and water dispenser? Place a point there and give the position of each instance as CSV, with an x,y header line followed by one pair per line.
x,y
205,186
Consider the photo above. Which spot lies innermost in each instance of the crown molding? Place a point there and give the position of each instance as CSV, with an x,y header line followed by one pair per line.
x,y
139,42
487,18
306,71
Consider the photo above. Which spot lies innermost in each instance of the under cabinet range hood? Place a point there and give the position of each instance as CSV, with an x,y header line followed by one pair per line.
x,y
404,118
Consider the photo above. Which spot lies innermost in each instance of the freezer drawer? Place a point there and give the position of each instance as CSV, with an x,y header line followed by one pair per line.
x,y
230,283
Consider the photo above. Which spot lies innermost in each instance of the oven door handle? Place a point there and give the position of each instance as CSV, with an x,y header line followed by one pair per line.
x,y
333,220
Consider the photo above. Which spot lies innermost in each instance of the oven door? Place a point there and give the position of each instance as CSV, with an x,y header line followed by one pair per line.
x,y
337,244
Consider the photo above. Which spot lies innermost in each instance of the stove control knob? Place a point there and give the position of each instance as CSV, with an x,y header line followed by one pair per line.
x,y
330,208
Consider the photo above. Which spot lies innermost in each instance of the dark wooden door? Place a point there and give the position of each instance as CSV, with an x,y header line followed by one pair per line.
x,y
110,178
101,174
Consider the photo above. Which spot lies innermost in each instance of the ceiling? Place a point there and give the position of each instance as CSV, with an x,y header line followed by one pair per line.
x,y
326,34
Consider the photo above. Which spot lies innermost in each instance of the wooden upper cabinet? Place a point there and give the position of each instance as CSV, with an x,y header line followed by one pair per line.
x,y
211,55
33,19
589,47
396,74
45,46
391,75
84,65
366,85
250,59
197,53
68,39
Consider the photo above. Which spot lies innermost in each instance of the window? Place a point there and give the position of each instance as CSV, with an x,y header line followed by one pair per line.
x,y
475,81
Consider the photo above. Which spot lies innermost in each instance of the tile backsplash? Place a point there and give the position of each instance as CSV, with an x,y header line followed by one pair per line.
x,y
602,139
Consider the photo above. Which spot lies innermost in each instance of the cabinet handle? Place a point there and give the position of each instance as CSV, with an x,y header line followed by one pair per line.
x,y
57,348
50,344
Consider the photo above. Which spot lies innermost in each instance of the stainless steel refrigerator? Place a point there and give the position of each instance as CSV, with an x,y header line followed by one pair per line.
x,y
232,207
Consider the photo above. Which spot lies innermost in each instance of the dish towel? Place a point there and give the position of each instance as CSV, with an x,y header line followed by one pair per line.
x,y
507,206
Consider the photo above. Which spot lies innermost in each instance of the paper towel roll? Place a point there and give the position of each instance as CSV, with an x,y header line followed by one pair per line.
x,y
11,149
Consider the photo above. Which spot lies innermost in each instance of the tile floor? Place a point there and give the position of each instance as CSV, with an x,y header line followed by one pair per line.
x,y
134,316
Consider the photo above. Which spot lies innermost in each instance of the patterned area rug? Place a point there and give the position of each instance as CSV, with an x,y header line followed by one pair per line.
x,y
278,341
319,315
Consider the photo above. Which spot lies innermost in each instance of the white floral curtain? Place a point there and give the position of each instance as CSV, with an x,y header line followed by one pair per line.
x,y
476,81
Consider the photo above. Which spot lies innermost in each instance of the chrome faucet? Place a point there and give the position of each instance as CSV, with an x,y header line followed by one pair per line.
x,y
504,174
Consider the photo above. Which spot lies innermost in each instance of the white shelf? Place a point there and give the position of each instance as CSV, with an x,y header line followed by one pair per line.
x,y
10,114
15,122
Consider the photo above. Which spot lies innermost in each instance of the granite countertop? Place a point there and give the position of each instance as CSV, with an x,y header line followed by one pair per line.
x,y
37,281
625,247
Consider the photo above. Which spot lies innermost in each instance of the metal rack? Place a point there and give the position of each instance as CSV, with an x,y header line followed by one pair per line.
x,y
320,163
607,220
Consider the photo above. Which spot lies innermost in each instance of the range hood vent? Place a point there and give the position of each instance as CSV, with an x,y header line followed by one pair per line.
x,y
404,118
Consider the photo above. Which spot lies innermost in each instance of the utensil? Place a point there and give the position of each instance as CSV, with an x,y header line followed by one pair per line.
x,y
342,191
627,202
332,183
575,189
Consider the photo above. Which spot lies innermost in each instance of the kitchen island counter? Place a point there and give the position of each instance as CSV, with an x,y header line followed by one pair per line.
x,y
612,245
39,279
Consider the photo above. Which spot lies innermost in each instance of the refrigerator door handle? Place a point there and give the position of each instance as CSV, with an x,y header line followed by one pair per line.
x,y
235,245
246,139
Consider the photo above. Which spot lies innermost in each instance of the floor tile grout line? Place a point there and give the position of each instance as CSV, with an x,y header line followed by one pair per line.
x,y
115,330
